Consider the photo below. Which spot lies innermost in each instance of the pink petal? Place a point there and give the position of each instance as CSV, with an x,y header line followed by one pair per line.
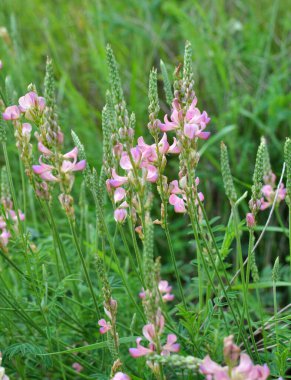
x,y
72,154
48,176
203,135
120,215
178,203
190,130
79,166
119,194
140,350
11,113
175,147
26,129
149,332
43,149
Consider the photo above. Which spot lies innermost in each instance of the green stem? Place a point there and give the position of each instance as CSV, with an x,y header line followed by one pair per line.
x,y
81,256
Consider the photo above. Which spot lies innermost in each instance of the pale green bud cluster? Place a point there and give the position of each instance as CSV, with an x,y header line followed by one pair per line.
x,y
226,174
115,81
166,83
185,362
49,84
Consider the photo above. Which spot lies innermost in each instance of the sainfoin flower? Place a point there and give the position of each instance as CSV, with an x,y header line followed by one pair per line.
x,y
269,192
11,113
77,367
193,123
50,173
178,197
234,370
120,376
164,289
104,326
31,103
153,333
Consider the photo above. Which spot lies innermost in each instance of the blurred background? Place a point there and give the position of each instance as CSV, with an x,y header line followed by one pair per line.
x,y
241,57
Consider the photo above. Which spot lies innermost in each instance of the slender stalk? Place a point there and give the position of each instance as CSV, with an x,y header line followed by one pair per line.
x,y
81,256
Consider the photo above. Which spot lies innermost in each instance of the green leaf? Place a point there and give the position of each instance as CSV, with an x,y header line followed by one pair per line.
x,y
90,347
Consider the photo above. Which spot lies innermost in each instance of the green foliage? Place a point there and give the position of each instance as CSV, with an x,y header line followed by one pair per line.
x,y
48,320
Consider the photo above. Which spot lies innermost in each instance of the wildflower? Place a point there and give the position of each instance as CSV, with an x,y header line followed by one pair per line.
x,y
11,113
152,333
164,289
250,219
77,367
120,215
31,104
171,345
104,326
245,369
1,64
269,192
119,194
4,238
193,123
120,376
180,202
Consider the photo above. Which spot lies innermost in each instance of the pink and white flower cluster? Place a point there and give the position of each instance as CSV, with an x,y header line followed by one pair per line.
x,y
238,365
110,311
10,218
139,165
269,192
178,197
152,333
190,123
164,289
67,164
31,105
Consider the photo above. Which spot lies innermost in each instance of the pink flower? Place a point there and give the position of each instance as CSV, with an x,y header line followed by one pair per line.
x,y
120,215
31,101
174,187
178,203
26,129
175,147
4,237
151,173
250,220
68,166
120,376
194,121
140,350
11,113
104,326
119,194
44,150
171,345
77,367
244,370
117,180
165,289
2,223
231,351
1,64
45,171
13,215
126,159
176,118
